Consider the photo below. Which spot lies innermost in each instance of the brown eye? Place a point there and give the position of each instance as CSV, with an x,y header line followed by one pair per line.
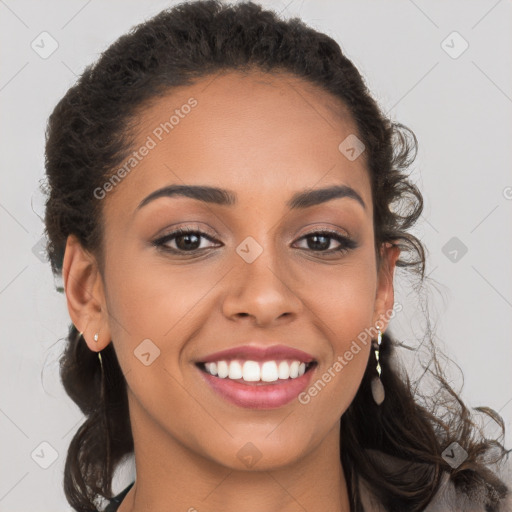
x,y
320,241
186,240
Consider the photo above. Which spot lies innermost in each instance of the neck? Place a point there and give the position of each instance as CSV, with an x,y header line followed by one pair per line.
x,y
169,472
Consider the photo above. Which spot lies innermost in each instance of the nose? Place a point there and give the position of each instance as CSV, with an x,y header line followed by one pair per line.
x,y
262,290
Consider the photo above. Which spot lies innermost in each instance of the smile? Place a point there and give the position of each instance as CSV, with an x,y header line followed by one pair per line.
x,y
254,371
257,385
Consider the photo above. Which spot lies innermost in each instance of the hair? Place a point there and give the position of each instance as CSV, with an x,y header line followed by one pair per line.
x,y
90,132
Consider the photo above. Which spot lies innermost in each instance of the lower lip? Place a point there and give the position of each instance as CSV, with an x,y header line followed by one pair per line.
x,y
259,396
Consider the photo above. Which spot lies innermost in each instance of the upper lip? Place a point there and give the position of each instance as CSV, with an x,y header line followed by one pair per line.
x,y
259,353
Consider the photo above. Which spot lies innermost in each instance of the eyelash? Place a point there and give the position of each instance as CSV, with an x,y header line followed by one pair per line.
x,y
346,244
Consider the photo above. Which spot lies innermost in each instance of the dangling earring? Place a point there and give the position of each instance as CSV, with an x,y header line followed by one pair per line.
x,y
102,399
377,386
95,338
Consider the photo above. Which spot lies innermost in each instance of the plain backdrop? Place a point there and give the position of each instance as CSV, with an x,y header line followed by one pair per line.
x,y
444,69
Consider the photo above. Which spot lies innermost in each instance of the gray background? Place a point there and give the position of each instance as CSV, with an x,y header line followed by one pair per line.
x,y
459,108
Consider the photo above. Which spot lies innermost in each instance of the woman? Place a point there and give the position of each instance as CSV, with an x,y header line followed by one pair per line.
x,y
227,206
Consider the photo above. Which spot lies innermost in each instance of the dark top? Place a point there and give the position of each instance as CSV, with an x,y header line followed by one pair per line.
x,y
116,500
445,499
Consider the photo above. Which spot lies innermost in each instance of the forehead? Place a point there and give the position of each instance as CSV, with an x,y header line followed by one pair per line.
x,y
255,132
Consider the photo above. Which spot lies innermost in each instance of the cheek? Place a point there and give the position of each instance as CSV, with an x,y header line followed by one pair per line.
x,y
154,310
344,304
153,300
338,377
344,298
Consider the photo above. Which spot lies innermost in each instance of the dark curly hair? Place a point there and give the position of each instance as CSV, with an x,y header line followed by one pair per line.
x,y
91,131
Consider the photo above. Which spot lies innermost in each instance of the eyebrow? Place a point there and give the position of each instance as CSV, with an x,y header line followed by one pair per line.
x,y
225,197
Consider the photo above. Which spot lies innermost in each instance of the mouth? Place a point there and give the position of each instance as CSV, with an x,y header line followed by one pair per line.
x,y
257,372
257,384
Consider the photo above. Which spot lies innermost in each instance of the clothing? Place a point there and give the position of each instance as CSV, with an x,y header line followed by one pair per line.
x,y
116,500
446,499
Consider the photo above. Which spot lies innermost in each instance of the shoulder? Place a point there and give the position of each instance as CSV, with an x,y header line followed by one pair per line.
x,y
116,500
448,498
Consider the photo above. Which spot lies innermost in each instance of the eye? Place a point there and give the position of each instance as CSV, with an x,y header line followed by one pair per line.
x,y
321,240
186,240
189,240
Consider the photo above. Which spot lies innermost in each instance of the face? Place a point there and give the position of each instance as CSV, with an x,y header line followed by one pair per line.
x,y
256,271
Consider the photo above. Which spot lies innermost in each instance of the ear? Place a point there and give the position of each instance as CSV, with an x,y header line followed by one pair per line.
x,y
85,296
385,297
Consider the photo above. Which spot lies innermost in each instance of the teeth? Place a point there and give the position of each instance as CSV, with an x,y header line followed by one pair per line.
x,y
269,371
235,370
252,371
222,369
294,369
284,370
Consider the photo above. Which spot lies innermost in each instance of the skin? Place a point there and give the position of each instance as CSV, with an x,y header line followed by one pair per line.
x,y
264,137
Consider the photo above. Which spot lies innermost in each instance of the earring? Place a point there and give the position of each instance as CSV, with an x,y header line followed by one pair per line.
x,y
102,397
377,386
95,338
